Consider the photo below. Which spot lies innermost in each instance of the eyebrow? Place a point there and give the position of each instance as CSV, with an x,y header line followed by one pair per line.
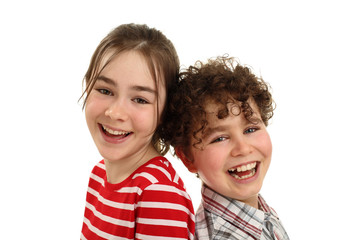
x,y
107,80
210,131
143,89
254,119
135,87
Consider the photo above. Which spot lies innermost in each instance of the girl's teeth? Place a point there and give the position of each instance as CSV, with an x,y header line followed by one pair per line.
x,y
114,132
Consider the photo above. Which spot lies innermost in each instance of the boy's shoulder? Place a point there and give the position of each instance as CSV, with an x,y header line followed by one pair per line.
x,y
265,207
223,216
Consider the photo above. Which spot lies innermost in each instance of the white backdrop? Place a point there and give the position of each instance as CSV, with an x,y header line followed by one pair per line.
x,y
307,50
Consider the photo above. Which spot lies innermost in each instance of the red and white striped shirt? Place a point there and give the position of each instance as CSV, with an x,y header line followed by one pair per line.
x,y
150,204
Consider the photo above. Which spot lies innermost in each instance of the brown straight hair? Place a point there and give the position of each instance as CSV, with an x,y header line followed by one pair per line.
x,y
157,50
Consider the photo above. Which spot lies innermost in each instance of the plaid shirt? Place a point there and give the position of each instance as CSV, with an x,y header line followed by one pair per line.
x,y
219,217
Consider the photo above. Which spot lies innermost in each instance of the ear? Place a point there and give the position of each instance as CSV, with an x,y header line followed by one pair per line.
x,y
187,162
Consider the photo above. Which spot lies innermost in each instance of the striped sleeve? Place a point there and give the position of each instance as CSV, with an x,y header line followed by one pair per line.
x,y
164,212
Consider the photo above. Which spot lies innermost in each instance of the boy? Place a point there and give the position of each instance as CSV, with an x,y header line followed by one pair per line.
x,y
216,123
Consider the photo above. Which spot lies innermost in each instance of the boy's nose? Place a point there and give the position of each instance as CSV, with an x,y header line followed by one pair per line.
x,y
241,147
117,111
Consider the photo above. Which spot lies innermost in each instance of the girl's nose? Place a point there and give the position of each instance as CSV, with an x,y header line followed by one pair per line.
x,y
117,111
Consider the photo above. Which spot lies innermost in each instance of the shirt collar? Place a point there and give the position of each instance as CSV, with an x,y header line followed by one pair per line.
x,y
241,215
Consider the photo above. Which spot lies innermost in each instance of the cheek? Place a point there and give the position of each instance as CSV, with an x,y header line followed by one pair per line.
x,y
89,110
90,117
208,161
146,119
264,144
93,107
268,147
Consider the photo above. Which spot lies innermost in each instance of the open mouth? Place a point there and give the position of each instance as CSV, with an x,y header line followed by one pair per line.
x,y
113,133
244,171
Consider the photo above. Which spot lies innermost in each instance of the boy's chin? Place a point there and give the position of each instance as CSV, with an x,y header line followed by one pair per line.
x,y
251,199
248,196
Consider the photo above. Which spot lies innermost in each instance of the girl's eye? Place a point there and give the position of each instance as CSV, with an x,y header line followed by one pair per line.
x,y
104,91
140,100
219,139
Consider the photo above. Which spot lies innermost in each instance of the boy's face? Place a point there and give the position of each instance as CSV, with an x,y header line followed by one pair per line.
x,y
234,155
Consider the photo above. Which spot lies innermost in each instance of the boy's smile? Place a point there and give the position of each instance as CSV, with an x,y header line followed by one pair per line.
x,y
244,171
234,155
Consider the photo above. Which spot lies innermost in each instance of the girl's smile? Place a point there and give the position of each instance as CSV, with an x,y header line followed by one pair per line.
x,y
114,136
122,111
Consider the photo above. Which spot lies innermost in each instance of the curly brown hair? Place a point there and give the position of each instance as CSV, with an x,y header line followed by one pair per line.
x,y
222,81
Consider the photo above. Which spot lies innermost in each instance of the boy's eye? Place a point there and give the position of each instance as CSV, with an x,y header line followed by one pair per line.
x,y
251,130
140,100
104,91
219,139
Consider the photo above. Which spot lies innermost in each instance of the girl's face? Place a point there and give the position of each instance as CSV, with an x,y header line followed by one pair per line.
x,y
122,109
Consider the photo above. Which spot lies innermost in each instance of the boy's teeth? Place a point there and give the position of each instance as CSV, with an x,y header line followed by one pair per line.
x,y
114,132
245,176
243,168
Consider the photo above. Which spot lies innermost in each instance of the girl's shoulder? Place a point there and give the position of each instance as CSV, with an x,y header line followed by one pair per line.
x,y
157,170
161,183
99,169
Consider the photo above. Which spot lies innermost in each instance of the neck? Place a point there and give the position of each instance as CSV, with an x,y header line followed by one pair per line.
x,y
252,201
117,171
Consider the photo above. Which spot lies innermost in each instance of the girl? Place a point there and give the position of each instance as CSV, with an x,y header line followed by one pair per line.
x,y
134,193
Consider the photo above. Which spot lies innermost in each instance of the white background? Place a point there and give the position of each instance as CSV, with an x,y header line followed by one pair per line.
x,y
307,50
